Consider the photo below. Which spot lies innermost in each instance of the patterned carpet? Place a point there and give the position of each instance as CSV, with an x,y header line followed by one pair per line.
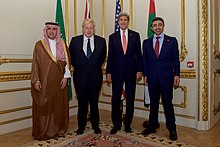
x,y
121,139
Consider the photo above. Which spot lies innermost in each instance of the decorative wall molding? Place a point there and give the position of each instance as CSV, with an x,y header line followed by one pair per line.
x,y
185,74
181,105
15,120
15,76
215,90
147,109
15,110
199,62
216,52
183,50
22,118
188,74
205,32
25,75
215,28
10,60
14,90
184,103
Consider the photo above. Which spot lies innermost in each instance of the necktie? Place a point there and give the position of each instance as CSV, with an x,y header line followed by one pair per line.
x,y
157,45
124,43
89,51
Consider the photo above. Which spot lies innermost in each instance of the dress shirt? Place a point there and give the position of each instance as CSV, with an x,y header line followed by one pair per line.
x,y
126,34
54,53
85,41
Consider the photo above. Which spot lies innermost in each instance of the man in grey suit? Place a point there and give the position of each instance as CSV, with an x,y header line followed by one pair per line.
x,y
88,53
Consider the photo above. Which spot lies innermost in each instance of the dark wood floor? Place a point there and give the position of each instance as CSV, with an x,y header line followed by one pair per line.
x,y
210,138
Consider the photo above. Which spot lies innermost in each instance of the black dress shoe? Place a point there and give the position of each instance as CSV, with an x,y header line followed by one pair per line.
x,y
146,124
80,131
97,130
114,130
148,131
173,135
127,129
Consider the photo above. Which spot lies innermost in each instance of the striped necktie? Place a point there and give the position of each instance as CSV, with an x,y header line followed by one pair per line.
x,y
89,51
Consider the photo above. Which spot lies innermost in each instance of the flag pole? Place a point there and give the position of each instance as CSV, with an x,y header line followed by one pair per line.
x,y
67,21
122,5
91,8
103,18
131,14
74,19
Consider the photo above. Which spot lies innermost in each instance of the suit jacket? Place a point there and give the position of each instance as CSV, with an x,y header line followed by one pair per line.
x,y
166,66
85,69
131,62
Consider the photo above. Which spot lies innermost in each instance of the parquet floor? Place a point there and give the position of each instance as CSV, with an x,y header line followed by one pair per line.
x,y
210,138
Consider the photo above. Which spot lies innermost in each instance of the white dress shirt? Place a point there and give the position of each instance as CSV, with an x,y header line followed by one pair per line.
x,y
85,41
54,53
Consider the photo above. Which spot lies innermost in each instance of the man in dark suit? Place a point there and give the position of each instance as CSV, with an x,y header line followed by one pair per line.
x,y
88,53
161,73
124,66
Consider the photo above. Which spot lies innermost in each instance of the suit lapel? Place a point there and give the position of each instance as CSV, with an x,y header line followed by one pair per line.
x,y
96,46
152,48
164,44
118,35
81,40
130,35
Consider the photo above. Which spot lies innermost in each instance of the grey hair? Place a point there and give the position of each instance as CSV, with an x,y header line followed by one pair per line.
x,y
123,14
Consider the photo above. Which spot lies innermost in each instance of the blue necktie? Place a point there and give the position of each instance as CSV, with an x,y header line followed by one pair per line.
x,y
89,51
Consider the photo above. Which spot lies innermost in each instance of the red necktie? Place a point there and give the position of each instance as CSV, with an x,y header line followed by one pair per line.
x,y
157,45
124,43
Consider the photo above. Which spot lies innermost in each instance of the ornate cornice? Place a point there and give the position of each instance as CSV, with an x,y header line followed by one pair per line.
x,y
25,75
9,60
15,76
188,74
204,60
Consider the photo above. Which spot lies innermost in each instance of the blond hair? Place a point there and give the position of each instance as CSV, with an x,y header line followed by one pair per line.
x,y
88,20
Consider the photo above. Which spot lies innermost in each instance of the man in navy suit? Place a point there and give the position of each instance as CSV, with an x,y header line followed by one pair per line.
x,y
161,73
88,53
124,66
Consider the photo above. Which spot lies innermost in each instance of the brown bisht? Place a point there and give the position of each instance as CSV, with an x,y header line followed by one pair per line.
x,y
50,105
